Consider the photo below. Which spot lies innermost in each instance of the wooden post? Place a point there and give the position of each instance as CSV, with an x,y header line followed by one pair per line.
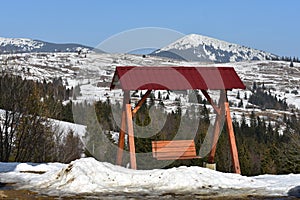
x,y
232,142
217,127
130,136
121,141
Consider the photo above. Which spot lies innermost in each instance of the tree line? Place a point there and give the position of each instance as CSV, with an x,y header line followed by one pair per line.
x,y
26,132
264,99
284,58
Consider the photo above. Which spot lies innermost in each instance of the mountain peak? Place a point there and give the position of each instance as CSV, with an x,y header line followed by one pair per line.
x,y
201,48
194,40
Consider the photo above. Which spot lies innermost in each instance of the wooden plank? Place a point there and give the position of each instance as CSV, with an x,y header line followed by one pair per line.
x,y
178,158
140,103
176,154
233,148
175,149
159,146
130,137
173,143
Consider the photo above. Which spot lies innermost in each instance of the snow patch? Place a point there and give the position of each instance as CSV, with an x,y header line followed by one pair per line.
x,y
87,175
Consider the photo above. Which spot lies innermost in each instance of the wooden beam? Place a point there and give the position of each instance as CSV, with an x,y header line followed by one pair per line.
x,y
121,141
217,127
140,103
209,99
216,134
130,136
232,142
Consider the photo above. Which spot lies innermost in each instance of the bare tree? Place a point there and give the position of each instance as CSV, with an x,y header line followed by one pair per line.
x,y
71,147
10,117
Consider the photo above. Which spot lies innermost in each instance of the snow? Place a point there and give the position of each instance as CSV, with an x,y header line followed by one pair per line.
x,y
27,44
64,127
89,176
201,48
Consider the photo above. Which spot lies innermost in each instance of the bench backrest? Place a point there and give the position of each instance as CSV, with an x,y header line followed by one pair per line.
x,y
174,149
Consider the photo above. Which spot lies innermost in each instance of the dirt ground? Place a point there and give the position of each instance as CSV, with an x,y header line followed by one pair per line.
x,y
7,191
28,195
20,194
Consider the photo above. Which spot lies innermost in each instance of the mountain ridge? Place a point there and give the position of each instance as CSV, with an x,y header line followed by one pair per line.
x,y
201,48
26,45
191,47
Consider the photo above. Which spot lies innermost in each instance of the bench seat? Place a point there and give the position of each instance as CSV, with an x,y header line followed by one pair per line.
x,y
174,149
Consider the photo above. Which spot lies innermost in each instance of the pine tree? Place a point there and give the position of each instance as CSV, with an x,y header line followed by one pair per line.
x,y
241,104
159,96
254,86
245,96
238,95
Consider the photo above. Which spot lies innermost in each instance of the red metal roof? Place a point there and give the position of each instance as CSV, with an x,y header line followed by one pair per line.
x,y
176,78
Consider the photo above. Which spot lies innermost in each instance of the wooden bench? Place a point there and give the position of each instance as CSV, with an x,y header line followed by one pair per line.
x,y
174,149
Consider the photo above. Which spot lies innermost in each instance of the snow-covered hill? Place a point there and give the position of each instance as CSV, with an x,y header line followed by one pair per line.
x,y
200,48
23,45
93,73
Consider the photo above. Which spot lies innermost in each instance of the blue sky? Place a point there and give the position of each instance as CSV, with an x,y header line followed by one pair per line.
x,y
270,25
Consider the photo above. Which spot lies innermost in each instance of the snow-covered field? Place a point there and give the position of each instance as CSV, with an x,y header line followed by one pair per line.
x,y
87,176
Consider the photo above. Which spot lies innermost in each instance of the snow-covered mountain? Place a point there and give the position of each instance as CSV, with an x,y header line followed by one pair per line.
x,y
200,48
25,45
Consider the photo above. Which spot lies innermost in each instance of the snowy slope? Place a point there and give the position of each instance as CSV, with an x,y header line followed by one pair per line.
x,y
94,72
87,176
195,47
23,45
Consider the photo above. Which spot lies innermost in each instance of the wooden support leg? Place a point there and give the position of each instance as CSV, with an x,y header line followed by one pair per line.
x,y
217,126
130,136
121,139
232,142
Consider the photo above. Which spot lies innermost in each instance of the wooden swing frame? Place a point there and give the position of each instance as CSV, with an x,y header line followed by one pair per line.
x,y
221,109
